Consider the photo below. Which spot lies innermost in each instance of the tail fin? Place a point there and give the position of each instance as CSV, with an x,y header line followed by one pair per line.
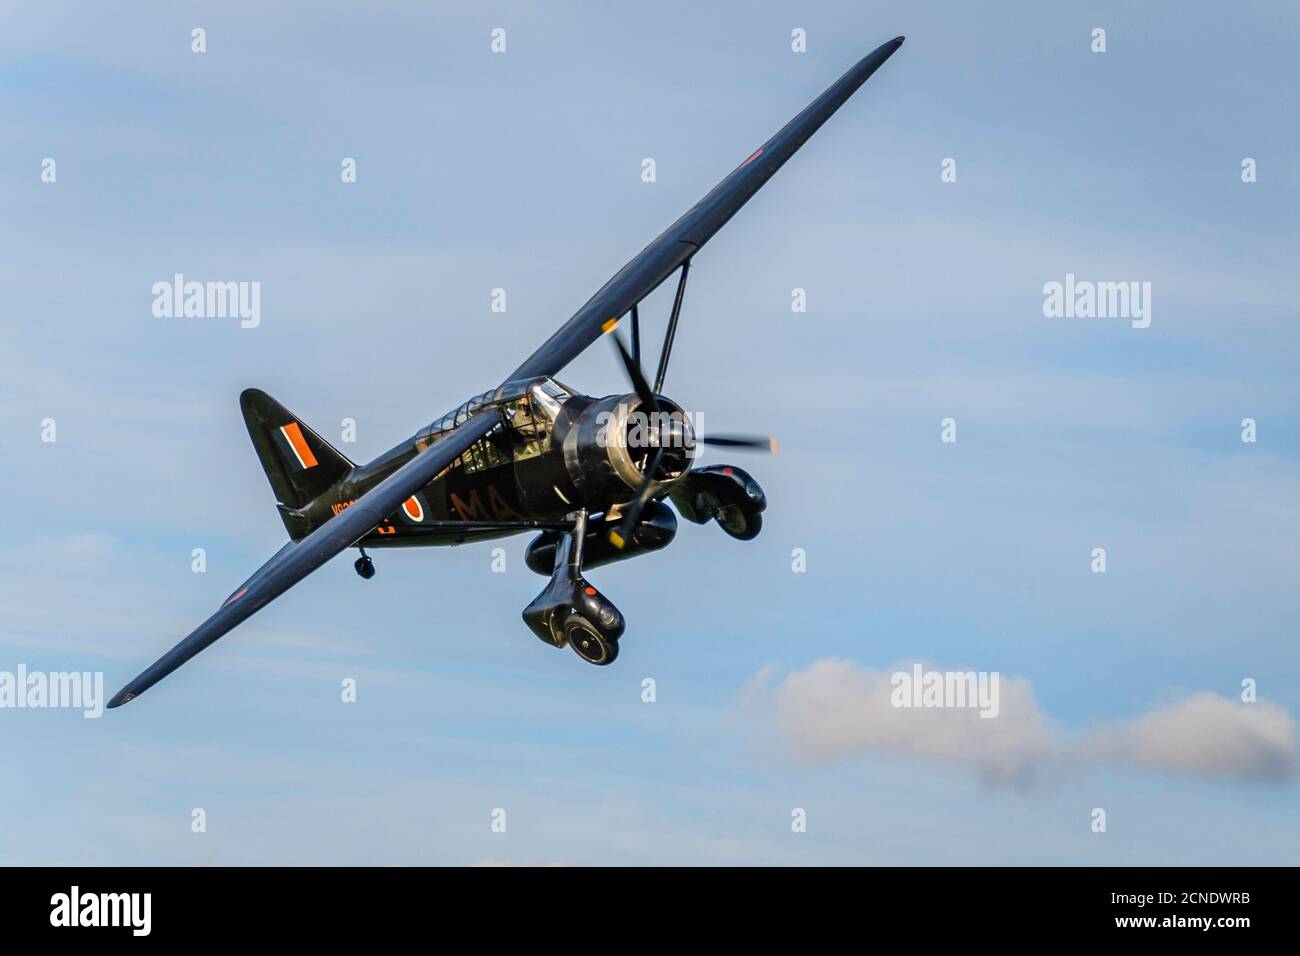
x,y
300,464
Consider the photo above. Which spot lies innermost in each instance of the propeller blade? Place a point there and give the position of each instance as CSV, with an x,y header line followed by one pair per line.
x,y
753,442
623,533
639,384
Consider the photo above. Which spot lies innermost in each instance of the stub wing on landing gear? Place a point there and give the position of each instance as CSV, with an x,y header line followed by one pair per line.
x,y
725,493
300,558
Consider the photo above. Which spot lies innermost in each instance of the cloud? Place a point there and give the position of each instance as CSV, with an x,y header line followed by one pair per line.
x,y
834,709
1206,735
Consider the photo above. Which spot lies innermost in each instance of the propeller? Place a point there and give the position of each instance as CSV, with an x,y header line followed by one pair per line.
x,y
639,383
620,535
750,442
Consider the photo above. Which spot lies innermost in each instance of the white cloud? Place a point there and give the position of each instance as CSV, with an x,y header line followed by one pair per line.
x,y
835,709
1206,735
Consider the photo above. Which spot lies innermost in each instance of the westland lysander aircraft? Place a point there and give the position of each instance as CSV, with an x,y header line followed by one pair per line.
x,y
530,454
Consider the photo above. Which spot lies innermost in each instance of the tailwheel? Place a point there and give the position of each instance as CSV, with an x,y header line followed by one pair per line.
x,y
365,566
588,643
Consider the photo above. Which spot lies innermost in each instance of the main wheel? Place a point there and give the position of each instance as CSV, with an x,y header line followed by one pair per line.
x,y
365,567
588,643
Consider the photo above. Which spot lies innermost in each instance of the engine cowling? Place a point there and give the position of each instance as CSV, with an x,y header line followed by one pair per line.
x,y
610,443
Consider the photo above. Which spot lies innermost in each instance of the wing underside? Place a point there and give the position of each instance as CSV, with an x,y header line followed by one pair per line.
x,y
687,235
300,558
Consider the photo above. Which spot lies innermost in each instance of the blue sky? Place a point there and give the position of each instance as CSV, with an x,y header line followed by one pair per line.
x,y
522,170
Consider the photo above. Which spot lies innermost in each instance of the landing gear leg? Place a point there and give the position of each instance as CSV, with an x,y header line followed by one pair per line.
x,y
571,611
364,565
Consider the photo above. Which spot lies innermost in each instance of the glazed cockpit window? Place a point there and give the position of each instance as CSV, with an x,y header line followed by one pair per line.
x,y
484,454
555,390
546,405
524,426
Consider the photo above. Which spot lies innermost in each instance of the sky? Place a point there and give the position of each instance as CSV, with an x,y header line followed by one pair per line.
x,y
770,738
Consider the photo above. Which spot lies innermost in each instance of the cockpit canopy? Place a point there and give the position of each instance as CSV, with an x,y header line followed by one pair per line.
x,y
527,404
545,392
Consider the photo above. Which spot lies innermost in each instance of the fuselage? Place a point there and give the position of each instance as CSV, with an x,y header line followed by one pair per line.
x,y
556,451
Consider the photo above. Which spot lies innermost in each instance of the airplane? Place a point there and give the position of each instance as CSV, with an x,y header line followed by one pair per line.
x,y
590,474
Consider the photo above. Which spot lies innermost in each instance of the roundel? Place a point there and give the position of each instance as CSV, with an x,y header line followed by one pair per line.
x,y
413,509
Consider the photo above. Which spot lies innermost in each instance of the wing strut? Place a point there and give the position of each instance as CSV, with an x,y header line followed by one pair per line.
x,y
636,335
672,328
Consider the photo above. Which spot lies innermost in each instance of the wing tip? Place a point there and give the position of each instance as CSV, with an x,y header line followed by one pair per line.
x,y
887,49
123,696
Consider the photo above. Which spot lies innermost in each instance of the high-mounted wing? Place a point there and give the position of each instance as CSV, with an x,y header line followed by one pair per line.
x,y
683,238
298,559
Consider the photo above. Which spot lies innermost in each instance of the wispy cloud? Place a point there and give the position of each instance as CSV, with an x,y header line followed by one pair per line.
x,y
835,709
